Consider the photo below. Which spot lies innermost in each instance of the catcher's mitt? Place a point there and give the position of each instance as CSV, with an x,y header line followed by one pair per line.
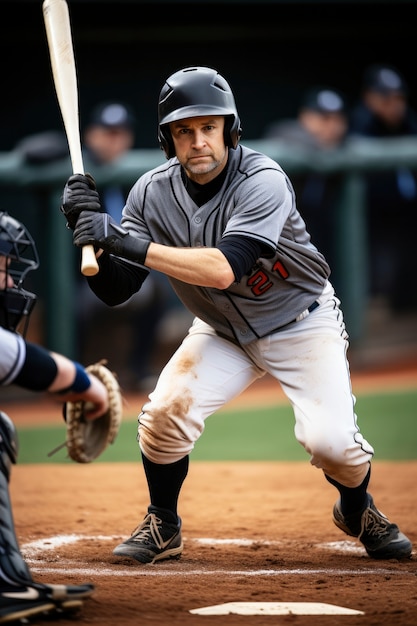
x,y
87,439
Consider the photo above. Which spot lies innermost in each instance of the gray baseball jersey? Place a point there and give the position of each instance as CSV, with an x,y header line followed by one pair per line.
x,y
256,200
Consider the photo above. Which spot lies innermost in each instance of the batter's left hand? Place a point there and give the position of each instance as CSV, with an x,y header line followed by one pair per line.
x,y
100,230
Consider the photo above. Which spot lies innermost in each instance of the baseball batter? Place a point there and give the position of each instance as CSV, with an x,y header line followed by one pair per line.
x,y
221,221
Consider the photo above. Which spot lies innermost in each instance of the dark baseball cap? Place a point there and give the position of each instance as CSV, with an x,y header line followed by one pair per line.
x,y
384,79
113,115
324,100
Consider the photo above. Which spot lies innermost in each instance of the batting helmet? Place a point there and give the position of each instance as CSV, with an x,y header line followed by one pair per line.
x,y
18,247
192,92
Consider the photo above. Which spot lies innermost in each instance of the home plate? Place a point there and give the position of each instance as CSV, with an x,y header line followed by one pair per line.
x,y
275,608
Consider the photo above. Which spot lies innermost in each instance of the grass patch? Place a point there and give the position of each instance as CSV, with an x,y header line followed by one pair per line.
x,y
387,421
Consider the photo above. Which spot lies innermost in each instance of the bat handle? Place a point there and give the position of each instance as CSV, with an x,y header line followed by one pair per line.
x,y
89,265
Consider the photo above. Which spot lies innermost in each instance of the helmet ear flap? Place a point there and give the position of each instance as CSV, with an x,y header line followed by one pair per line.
x,y
165,141
232,131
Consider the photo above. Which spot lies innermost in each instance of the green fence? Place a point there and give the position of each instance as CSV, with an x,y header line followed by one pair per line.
x,y
32,193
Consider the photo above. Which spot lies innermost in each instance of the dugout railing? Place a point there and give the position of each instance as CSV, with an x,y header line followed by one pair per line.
x,y
32,193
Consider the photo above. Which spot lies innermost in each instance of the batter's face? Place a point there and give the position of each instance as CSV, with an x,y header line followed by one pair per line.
x,y
199,146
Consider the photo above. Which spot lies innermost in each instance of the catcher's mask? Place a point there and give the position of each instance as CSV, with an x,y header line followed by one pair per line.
x,y
193,92
19,250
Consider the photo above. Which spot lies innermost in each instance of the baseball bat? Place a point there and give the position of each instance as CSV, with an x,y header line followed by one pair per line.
x,y
58,31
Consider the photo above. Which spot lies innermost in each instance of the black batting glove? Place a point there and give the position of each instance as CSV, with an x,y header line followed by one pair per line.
x,y
101,231
80,194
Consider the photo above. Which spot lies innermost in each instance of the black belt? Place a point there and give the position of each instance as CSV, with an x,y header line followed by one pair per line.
x,y
313,306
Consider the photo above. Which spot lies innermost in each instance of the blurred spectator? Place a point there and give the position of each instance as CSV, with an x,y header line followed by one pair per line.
x,y
43,147
384,111
321,125
108,136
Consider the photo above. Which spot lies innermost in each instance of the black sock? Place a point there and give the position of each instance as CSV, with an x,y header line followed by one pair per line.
x,y
352,499
165,482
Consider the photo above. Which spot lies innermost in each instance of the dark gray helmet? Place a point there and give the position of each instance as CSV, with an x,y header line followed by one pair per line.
x,y
192,92
18,246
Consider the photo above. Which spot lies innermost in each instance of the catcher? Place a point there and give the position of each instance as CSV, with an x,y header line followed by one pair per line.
x,y
33,367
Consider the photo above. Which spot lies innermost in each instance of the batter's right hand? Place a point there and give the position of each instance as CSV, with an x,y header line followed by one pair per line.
x,y
80,194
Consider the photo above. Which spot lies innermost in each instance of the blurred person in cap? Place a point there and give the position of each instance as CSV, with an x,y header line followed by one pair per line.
x,y
109,135
321,125
321,122
384,111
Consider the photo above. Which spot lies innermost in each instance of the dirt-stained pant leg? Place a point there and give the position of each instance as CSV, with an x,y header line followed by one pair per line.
x,y
309,359
205,372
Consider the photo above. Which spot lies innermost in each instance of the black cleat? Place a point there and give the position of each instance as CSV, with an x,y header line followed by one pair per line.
x,y
153,540
381,538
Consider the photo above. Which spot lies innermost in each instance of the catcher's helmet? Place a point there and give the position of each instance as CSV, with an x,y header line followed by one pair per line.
x,y
192,92
18,247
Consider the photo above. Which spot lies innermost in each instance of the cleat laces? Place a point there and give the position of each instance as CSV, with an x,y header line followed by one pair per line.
x,y
148,531
375,525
